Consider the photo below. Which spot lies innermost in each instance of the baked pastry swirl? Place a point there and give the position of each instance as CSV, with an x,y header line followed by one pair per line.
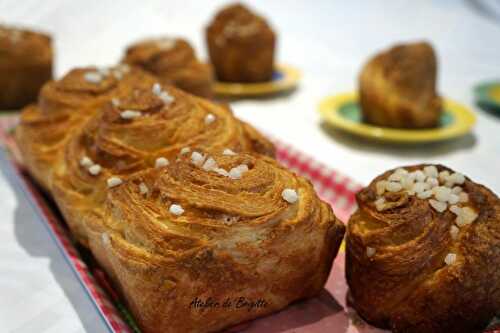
x,y
25,65
423,252
174,62
63,106
397,88
141,128
241,45
184,232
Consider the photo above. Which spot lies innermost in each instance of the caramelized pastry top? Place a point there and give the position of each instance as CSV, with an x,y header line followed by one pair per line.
x,y
84,88
141,125
425,235
237,22
144,128
25,44
219,199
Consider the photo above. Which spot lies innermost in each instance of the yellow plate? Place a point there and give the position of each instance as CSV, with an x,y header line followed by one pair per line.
x,y
284,78
343,112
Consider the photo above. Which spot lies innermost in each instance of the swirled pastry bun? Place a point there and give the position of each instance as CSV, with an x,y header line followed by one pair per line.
x,y
25,65
423,252
141,128
188,231
397,88
174,62
241,45
63,107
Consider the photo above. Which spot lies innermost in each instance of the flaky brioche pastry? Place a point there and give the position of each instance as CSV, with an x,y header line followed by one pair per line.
x,y
186,231
241,45
423,252
25,65
141,128
63,107
174,62
397,88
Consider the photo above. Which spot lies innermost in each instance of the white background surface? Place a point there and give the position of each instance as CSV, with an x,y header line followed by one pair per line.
x,y
327,40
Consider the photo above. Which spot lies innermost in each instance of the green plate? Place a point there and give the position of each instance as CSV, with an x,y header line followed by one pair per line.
x,y
343,112
352,112
487,95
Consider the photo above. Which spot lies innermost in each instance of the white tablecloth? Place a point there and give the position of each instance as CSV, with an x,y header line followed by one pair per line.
x,y
328,40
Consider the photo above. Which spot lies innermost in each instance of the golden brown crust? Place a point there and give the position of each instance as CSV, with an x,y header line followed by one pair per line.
x,y
406,285
25,65
397,88
241,45
63,107
124,146
174,62
235,238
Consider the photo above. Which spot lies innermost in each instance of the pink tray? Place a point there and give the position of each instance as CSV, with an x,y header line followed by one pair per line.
x,y
327,312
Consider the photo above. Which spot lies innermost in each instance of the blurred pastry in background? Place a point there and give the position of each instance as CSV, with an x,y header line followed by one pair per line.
x,y
174,62
423,252
26,59
241,45
397,88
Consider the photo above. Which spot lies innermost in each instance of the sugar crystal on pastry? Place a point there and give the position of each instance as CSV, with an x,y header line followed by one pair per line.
x,y
237,172
450,258
455,209
166,97
438,205
197,158
115,102
393,186
228,152
176,209
290,195
466,216
442,193
143,189
221,172
130,114
425,194
185,150
431,171
105,238
161,162
210,164
454,231
86,161
380,186
95,169
453,199
209,118
454,178
114,181
443,176
380,204
421,187
92,77
156,89
433,182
